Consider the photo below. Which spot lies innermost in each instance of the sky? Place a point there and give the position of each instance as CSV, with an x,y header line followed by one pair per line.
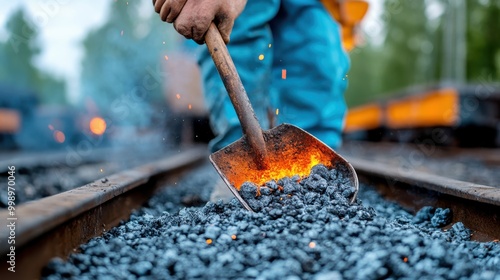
x,y
63,24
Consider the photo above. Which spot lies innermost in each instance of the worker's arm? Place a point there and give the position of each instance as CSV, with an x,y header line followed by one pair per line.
x,y
192,18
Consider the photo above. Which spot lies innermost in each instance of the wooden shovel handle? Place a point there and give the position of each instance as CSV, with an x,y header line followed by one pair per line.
x,y
237,94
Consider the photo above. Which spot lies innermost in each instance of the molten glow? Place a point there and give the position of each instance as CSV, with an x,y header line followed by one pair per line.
x,y
97,125
281,169
233,237
209,241
283,74
405,259
59,136
261,57
312,244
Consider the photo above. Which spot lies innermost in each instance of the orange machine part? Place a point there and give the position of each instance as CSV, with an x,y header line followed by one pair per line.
x,y
10,121
434,108
363,118
349,14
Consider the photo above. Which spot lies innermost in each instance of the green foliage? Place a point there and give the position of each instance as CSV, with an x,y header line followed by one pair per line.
x,y
403,59
414,48
364,67
483,40
17,55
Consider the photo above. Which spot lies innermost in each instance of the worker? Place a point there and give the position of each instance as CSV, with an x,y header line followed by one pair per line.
x,y
288,54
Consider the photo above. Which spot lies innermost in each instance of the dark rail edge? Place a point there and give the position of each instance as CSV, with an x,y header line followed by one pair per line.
x,y
476,206
55,226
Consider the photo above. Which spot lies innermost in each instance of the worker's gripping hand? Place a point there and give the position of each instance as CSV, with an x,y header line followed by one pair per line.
x,y
192,18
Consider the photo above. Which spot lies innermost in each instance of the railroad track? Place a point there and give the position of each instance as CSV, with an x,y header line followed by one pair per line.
x,y
56,226
475,205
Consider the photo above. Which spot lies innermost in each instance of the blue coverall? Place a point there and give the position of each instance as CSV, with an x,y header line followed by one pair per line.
x,y
298,36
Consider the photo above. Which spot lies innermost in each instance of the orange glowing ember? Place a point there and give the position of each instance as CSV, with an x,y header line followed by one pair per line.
x,y
178,96
209,241
312,245
283,74
405,259
190,107
97,125
59,136
281,169
261,57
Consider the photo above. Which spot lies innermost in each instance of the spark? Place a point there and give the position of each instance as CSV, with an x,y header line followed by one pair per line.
x,y
312,245
59,136
166,57
233,236
209,241
164,42
283,74
178,96
101,170
261,57
405,259
270,45
190,107
277,111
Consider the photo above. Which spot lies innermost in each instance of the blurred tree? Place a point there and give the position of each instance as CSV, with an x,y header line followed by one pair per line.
x,y
483,40
17,68
122,71
409,55
365,79
405,46
19,50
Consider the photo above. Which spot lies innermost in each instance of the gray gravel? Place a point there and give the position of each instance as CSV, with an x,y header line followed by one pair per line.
x,y
305,230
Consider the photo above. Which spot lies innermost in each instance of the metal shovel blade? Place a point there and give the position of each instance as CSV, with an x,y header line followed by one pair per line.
x,y
290,151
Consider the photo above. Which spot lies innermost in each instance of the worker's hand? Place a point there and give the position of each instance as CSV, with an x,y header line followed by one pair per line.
x,y
192,18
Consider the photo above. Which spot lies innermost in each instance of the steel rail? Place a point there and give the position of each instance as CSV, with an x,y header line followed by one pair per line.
x,y
55,226
476,206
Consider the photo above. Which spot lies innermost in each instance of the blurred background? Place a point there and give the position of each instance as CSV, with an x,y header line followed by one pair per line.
x,y
100,72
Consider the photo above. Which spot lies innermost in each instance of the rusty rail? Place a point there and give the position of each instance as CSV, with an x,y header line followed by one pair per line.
x,y
55,226
477,206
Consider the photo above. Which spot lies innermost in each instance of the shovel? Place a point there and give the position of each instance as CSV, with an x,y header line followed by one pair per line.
x,y
261,156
